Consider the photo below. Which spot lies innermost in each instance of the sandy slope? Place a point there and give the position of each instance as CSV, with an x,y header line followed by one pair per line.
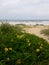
x,y
36,30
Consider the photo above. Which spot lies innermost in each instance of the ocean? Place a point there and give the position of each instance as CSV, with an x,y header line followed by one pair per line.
x,y
27,22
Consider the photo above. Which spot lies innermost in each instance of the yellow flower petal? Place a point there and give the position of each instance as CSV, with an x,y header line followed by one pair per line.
x,y
6,49
40,47
37,50
41,44
29,44
10,49
21,36
18,36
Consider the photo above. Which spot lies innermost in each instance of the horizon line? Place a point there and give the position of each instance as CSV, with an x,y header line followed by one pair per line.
x,y
24,20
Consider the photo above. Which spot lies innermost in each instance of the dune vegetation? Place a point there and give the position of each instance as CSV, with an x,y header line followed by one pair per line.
x,y
18,48
45,32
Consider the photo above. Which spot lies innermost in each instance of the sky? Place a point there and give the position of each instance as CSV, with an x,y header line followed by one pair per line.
x,y
24,9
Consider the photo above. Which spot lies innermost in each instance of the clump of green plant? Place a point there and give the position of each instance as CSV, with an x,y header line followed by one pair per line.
x,y
45,32
17,48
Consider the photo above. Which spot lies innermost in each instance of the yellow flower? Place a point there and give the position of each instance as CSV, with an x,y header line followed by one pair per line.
x,y
6,49
29,44
41,44
18,36
10,49
40,47
21,36
19,61
37,50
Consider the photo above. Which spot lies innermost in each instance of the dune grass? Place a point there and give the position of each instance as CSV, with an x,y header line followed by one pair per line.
x,y
45,32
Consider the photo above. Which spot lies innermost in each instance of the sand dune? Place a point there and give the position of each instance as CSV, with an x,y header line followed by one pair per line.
x,y
36,30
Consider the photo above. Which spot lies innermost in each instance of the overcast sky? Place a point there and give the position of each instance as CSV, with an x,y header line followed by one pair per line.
x,y
24,9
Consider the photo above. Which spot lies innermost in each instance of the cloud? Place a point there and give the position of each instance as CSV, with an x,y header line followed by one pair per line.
x,y
5,3
24,9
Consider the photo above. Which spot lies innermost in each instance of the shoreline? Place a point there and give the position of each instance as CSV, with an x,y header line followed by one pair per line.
x,y
26,23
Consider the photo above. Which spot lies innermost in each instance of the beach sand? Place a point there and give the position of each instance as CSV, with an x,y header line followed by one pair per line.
x,y
36,30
